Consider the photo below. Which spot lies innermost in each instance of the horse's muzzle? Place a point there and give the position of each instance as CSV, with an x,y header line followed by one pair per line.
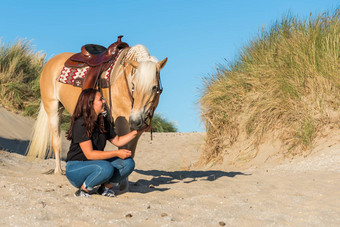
x,y
140,120
137,123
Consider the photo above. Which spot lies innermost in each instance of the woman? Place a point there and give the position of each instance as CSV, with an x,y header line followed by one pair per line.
x,y
88,165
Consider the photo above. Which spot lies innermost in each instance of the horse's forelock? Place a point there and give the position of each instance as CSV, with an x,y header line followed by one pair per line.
x,y
145,75
146,72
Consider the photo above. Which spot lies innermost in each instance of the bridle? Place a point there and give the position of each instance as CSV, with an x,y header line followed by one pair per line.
x,y
159,90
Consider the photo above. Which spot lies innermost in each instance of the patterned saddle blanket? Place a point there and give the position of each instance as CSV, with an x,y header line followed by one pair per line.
x,y
75,76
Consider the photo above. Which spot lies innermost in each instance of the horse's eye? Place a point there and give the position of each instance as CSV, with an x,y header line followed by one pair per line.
x,y
154,88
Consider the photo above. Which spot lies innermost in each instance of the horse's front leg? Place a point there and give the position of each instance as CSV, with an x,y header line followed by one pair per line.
x,y
122,128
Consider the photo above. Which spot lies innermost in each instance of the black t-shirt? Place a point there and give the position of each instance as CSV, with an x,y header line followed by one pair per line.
x,y
97,138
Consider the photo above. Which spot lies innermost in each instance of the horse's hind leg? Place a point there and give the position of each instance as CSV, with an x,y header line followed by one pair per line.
x,y
54,123
56,143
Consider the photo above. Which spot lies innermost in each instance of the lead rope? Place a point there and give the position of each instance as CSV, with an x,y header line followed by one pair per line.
x,y
158,95
151,129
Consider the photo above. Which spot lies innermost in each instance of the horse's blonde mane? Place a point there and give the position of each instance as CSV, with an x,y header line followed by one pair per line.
x,y
139,53
146,72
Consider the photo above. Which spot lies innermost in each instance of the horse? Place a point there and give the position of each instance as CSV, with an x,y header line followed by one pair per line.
x,y
133,94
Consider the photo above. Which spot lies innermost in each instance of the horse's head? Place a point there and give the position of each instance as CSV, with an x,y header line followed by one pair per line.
x,y
145,90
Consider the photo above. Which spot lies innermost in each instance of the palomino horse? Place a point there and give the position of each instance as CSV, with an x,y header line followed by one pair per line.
x,y
134,88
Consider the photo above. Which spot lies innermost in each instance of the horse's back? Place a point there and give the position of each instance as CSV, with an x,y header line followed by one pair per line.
x,y
52,70
49,87
53,67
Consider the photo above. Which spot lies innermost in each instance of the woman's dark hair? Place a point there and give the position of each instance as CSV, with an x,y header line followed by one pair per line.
x,y
84,108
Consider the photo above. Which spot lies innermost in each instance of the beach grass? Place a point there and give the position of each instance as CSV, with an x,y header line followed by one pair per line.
x,y
285,82
20,68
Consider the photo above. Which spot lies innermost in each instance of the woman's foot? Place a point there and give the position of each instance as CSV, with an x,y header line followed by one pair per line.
x,y
105,191
82,193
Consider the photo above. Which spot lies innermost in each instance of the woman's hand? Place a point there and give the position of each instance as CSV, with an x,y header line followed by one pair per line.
x,y
145,128
124,154
123,140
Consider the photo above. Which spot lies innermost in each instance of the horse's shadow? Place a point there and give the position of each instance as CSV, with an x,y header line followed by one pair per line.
x,y
14,145
161,178
20,146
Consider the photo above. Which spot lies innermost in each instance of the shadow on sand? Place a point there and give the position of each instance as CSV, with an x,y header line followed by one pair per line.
x,y
20,147
161,178
14,145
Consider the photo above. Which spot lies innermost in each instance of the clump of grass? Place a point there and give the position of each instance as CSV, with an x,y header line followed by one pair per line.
x,y
286,80
160,124
20,68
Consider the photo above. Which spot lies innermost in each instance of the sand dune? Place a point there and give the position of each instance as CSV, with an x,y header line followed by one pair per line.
x,y
164,191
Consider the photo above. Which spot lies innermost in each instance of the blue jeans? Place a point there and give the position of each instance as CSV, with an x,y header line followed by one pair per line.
x,y
95,172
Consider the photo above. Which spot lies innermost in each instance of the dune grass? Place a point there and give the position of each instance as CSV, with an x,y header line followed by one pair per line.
x,y
20,68
287,80
161,124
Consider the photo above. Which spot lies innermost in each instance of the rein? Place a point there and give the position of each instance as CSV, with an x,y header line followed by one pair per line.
x,y
155,99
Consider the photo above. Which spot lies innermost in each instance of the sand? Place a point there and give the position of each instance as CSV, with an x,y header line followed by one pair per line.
x,y
166,190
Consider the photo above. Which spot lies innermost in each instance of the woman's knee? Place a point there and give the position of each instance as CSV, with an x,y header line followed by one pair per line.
x,y
130,163
106,169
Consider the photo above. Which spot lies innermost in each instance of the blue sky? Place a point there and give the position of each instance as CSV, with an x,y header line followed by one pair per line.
x,y
195,35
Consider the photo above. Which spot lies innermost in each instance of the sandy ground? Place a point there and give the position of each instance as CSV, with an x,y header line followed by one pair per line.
x,y
165,192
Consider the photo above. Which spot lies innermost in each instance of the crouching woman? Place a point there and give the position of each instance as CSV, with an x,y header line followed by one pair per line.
x,y
88,165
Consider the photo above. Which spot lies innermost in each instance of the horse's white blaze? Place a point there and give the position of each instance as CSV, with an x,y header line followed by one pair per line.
x,y
137,115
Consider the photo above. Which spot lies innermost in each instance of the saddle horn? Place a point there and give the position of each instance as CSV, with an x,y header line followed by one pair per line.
x,y
118,45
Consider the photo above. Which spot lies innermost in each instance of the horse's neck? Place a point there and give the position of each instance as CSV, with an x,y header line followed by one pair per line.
x,y
120,97
120,79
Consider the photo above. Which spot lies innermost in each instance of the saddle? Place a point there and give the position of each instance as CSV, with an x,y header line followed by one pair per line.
x,y
97,58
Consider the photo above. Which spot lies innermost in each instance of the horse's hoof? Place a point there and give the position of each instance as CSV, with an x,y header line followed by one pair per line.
x,y
49,172
59,172
53,171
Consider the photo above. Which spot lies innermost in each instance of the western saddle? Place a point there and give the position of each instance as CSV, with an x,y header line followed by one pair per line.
x,y
98,58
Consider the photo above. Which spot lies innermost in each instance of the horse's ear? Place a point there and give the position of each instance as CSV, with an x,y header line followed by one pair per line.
x,y
162,63
133,63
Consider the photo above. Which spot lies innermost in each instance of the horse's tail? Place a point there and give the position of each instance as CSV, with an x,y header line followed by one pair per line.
x,y
40,145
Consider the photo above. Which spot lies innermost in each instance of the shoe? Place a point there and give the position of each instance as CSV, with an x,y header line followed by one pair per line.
x,y
109,192
81,193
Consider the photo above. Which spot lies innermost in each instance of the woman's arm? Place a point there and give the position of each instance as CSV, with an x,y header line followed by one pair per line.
x,y
122,140
91,154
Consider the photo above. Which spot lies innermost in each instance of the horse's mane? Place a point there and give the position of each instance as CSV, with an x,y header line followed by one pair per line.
x,y
139,53
146,71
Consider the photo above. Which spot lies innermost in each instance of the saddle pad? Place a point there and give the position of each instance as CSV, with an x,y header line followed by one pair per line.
x,y
69,75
